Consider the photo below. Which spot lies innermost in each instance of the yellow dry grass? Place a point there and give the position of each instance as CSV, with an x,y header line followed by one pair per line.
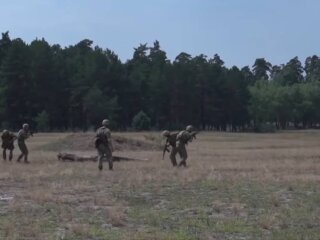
x,y
63,200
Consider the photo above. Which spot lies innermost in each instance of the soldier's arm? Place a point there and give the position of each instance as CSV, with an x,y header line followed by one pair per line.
x,y
193,135
167,145
111,145
110,141
26,135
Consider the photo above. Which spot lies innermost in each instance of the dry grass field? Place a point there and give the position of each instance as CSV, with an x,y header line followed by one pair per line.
x,y
237,186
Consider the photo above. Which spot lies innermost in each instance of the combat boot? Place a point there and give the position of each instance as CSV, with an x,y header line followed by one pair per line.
x,y
110,165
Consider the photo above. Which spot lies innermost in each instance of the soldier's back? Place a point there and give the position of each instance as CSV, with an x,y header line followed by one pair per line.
x,y
184,136
172,139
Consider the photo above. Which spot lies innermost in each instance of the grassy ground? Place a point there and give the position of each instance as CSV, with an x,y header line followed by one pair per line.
x,y
237,186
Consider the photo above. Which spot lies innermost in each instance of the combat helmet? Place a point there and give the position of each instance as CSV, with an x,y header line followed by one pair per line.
x,y
165,133
189,128
25,126
105,122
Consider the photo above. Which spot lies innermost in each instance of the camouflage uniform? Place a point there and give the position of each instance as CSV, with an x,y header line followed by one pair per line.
x,y
171,140
183,138
103,144
23,134
7,143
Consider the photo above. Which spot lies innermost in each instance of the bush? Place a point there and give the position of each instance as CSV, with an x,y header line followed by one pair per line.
x,y
265,128
141,121
42,121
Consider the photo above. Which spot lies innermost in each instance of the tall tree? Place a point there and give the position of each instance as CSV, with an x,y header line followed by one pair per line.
x,y
5,43
15,84
312,68
291,73
261,69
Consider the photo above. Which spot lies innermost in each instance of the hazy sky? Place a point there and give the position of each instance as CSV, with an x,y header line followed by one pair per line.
x,y
238,30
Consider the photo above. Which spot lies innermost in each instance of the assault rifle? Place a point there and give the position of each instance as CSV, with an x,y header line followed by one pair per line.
x,y
193,135
165,149
31,132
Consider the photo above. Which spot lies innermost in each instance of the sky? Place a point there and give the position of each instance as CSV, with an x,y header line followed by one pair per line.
x,y
238,30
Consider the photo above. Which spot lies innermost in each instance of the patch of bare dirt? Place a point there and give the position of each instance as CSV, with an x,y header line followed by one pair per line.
x,y
85,142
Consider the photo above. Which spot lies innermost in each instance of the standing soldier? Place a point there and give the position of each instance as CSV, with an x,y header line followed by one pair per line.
x,y
23,134
103,144
171,140
183,138
7,143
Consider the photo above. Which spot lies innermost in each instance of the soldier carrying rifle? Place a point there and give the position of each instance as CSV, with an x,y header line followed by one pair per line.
x,y
103,144
7,143
171,139
183,138
177,141
23,134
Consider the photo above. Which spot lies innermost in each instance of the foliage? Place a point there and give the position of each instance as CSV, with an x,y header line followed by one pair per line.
x,y
42,121
80,85
141,121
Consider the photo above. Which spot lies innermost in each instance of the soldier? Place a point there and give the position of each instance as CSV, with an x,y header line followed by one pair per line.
x,y
23,134
7,143
171,140
103,144
183,138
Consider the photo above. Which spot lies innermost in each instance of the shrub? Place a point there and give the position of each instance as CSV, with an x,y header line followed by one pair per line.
x,y
42,121
141,121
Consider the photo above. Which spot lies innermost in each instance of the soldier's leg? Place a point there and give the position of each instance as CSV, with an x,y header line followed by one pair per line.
x,y
26,153
184,155
20,145
26,157
100,157
20,156
100,164
110,160
10,155
4,154
11,151
173,154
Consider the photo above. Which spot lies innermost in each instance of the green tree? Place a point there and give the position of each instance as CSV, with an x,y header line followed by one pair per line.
x,y
291,73
97,106
261,69
42,121
15,83
312,68
5,43
141,121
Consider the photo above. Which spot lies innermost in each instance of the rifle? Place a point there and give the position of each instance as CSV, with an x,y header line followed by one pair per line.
x,y
193,135
30,132
165,149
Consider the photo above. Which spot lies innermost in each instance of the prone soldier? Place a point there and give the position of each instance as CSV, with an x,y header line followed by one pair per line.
x,y
103,144
23,134
7,143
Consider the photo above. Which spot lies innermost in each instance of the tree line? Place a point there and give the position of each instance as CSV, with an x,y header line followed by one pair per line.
x,y
75,87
